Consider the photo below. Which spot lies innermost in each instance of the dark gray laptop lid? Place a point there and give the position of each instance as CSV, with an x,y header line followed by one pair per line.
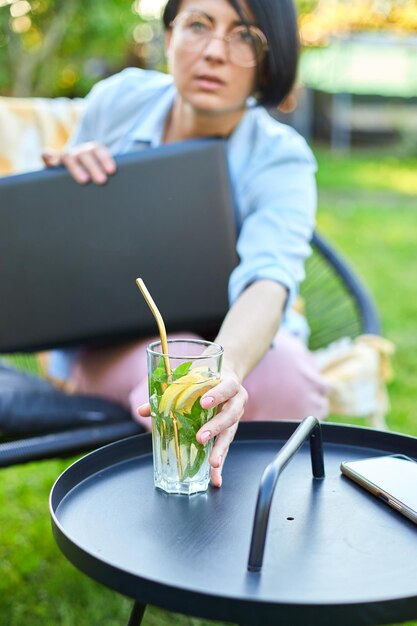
x,y
69,254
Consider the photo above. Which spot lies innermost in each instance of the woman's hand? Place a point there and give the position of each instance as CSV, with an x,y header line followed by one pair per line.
x,y
86,162
231,398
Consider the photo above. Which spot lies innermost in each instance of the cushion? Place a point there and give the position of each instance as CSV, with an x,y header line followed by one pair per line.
x,y
31,405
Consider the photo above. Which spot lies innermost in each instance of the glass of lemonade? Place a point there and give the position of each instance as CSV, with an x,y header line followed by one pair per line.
x,y
181,464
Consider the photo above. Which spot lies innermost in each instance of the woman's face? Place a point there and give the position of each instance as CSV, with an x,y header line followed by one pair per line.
x,y
207,78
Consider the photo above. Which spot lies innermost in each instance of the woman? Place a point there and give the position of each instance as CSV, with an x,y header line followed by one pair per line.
x,y
222,55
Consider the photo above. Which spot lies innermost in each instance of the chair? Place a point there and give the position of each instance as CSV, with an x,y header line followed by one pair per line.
x,y
335,300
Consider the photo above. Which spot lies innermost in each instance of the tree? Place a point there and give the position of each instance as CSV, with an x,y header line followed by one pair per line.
x,y
62,47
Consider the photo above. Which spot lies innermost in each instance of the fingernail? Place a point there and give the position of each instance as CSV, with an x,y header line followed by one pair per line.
x,y
207,402
205,436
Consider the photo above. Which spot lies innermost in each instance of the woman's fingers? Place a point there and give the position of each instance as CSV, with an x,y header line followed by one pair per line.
x,y
97,162
233,397
219,453
93,167
225,390
89,161
144,410
76,168
105,159
51,158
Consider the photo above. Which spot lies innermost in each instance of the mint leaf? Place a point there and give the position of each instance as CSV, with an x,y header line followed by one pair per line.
x,y
155,390
159,375
158,420
198,414
181,370
187,424
199,459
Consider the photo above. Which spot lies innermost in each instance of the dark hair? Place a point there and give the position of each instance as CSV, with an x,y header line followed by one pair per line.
x,y
278,21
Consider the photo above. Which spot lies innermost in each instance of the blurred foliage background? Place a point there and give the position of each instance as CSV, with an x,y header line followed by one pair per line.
x,y
62,47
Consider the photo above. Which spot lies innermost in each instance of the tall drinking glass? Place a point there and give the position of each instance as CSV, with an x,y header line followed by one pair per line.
x,y
181,464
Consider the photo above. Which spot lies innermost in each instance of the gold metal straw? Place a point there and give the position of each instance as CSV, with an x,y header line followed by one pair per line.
x,y
159,321
164,344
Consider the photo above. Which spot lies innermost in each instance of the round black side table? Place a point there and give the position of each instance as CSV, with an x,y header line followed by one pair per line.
x,y
323,551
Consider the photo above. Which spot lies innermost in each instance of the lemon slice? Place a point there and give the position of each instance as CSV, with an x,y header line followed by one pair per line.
x,y
184,401
167,402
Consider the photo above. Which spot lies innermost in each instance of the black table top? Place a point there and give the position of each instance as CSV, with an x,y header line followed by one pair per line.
x,y
334,553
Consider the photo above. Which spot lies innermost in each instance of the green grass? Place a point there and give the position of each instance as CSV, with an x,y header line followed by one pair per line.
x,y
377,233
367,172
368,208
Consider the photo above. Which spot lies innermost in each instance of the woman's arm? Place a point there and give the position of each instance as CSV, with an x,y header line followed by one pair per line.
x,y
251,324
246,334
277,203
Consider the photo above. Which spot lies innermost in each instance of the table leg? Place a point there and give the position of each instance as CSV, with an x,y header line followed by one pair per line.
x,y
136,615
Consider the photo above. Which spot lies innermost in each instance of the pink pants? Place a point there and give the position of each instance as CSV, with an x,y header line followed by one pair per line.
x,y
286,384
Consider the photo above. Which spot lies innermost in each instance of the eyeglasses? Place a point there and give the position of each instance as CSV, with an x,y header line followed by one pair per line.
x,y
193,31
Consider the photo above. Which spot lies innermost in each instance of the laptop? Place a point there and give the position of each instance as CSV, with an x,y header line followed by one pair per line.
x,y
70,254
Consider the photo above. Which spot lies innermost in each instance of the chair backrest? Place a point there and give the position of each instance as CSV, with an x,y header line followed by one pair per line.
x,y
337,303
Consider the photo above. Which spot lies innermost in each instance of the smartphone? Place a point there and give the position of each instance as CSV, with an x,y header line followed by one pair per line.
x,y
391,478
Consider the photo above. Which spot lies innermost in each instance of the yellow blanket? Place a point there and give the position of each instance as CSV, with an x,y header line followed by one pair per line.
x,y
29,125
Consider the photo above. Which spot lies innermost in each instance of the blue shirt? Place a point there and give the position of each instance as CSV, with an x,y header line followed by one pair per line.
x,y
271,169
